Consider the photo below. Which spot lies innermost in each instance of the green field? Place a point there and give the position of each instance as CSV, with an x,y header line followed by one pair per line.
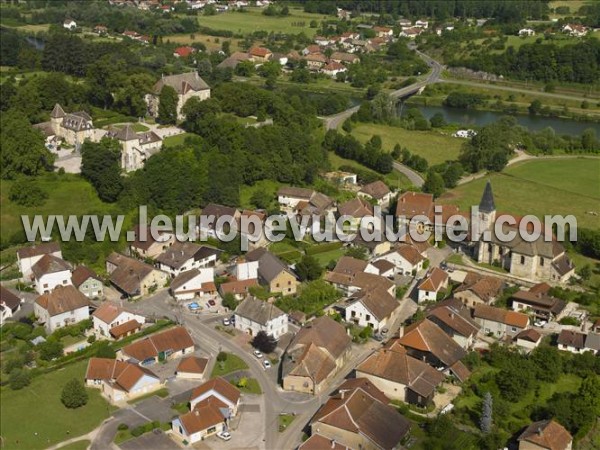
x,y
79,445
253,20
34,417
67,194
233,363
434,146
173,141
552,186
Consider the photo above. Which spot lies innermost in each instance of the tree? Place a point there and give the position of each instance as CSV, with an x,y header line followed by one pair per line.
x,y
549,363
105,350
486,413
535,107
434,183
221,357
382,107
437,120
22,149
309,269
26,192
264,342
229,301
357,252
19,378
261,199
74,394
204,67
167,106
101,166
50,350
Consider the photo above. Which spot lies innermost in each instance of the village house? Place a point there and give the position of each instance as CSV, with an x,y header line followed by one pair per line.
x,y
315,354
540,259
216,214
499,322
528,339
355,211
9,304
133,278
426,341
377,191
455,320
411,32
254,315
373,248
166,345
145,246
192,368
385,268
100,30
315,61
477,289
69,24
400,376
136,148
293,200
232,61
576,342
384,32
434,283
120,381
113,322
406,259
333,68
64,306
575,30
545,435
245,270
526,32
417,206
238,288
359,416
212,406
184,256
537,302
50,272
341,57
184,51
88,282
187,85
28,256
193,283
273,273
72,128
260,54
318,442
351,275
371,308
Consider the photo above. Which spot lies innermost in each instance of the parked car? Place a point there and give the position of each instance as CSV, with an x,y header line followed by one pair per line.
x,y
258,354
226,322
267,364
384,331
378,337
540,323
211,303
225,435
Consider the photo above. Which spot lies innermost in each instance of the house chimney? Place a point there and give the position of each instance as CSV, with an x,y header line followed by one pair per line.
x,y
401,331
539,431
333,443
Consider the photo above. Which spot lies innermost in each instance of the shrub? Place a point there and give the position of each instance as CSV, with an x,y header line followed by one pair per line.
x,y
74,394
137,431
123,427
18,379
26,192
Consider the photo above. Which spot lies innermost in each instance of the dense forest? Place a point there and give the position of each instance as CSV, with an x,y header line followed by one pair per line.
x,y
502,10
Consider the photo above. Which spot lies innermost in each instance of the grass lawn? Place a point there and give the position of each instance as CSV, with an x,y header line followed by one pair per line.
x,y
162,393
79,445
173,141
253,20
431,145
396,179
269,186
233,363
34,417
285,420
252,387
333,255
559,186
67,194
212,43
285,251
139,127
70,340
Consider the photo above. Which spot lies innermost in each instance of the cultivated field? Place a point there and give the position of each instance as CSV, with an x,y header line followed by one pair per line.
x,y
552,186
34,417
253,20
434,146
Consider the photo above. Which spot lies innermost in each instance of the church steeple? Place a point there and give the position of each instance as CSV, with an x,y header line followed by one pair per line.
x,y
487,204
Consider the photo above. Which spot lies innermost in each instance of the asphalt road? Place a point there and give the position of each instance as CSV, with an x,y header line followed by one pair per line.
x,y
334,121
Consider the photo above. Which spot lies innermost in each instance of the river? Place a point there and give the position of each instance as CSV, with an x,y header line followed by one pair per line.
x,y
470,117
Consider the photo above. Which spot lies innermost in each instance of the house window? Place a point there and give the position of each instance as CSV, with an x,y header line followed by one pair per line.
x,y
353,314
368,317
45,285
64,281
513,329
522,260
277,285
541,261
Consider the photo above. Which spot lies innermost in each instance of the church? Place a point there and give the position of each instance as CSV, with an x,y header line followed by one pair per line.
x,y
539,260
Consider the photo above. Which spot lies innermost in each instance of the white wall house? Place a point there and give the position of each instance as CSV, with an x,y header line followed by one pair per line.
x,y
61,307
254,315
108,316
28,256
371,308
193,283
435,282
406,259
50,272
246,270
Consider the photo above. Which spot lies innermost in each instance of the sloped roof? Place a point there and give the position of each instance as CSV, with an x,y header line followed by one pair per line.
x,y
182,83
412,204
269,265
378,301
129,273
81,274
378,189
485,287
173,339
540,301
192,364
499,315
62,299
38,249
357,208
258,311
201,418
426,336
487,204
434,280
49,264
453,319
410,253
124,328
529,335
9,299
571,338
57,112
178,254
397,366
237,286
183,278
296,192
107,312
547,434
218,384
318,442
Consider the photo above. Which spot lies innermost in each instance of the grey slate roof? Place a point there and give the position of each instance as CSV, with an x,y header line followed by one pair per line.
x,y
487,200
258,311
57,112
182,83
269,265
